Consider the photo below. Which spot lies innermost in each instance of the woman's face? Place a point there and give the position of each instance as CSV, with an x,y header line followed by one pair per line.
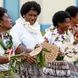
x,y
64,26
6,22
75,19
31,16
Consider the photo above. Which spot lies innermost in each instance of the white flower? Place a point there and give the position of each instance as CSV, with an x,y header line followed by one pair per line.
x,y
72,59
51,29
32,28
62,38
70,52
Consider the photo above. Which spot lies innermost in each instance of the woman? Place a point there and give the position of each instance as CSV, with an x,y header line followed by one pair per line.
x,y
5,39
6,47
73,11
26,32
59,33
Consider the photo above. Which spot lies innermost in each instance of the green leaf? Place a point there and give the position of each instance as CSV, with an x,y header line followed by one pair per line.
x,y
2,44
59,58
44,49
16,56
41,59
67,32
14,75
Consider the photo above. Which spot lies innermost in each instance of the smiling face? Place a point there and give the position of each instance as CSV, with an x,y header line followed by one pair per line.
x,y
31,16
6,22
64,26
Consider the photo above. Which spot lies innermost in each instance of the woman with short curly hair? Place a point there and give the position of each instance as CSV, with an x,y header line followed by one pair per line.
x,y
5,25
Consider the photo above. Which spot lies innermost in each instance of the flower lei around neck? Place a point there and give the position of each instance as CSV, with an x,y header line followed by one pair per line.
x,y
31,28
10,43
61,38
12,59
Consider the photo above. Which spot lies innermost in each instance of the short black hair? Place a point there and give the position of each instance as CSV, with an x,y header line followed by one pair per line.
x,y
72,10
60,17
28,6
2,11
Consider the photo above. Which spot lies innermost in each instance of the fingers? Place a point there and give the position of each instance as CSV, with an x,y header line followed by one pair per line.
x,y
28,58
37,45
46,40
28,50
31,60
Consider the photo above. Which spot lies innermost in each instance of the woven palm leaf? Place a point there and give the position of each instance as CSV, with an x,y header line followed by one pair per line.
x,y
52,54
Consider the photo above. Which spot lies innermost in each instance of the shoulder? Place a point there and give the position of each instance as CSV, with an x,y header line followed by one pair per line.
x,y
19,26
16,28
51,29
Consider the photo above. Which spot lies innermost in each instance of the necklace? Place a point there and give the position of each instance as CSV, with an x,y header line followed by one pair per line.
x,y
10,43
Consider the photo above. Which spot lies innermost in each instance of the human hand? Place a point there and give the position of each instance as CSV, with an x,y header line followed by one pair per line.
x,y
28,58
46,40
28,50
37,45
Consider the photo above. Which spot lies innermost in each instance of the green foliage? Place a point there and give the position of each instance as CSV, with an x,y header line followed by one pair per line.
x,y
59,58
43,33
41,57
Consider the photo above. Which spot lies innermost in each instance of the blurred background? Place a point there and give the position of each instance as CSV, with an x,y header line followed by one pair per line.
x,y
48,8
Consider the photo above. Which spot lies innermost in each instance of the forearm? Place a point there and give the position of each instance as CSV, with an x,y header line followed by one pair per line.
x,y
21,49
3,60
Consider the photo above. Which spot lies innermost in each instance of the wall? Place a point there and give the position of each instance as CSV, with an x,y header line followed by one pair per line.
x,y
1,3
52,6
39,1
49,7
12,7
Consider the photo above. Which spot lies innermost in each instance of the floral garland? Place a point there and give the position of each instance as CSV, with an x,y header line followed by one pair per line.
x,y
31,28
10,43
71,48
61,38
64,38
12,58
16,58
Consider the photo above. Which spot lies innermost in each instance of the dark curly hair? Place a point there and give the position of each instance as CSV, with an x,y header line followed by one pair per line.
x,y
60,17
29,6
72,10
2,11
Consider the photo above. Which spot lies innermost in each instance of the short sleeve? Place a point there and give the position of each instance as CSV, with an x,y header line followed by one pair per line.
x,y
16,41
48,35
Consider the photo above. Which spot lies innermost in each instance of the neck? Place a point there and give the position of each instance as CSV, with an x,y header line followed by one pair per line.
x,y
72,24
60,30
2,30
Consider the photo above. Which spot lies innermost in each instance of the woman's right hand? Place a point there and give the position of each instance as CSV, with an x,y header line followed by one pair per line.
x,y
28,58
46,40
